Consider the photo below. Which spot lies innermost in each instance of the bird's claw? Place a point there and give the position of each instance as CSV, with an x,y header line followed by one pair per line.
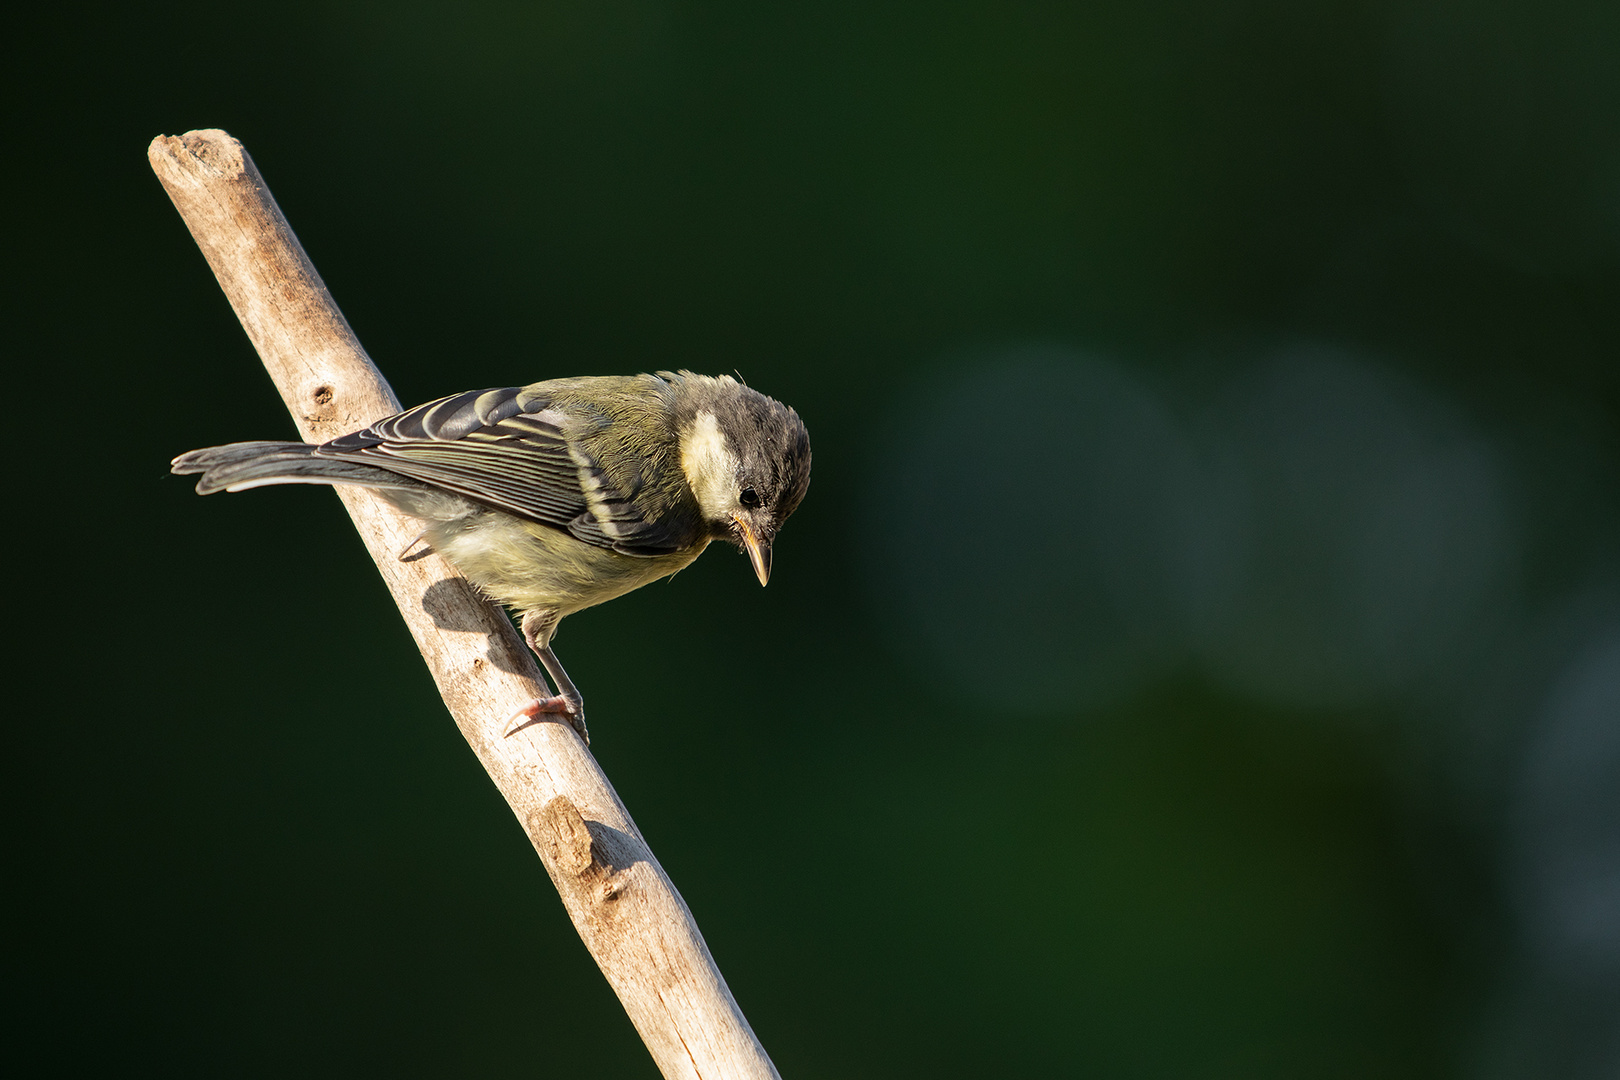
x,y
547,706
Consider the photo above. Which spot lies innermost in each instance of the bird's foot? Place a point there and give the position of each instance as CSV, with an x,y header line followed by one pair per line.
x,y
548,706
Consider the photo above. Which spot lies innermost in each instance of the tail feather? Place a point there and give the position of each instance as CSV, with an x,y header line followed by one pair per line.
x,y
243,465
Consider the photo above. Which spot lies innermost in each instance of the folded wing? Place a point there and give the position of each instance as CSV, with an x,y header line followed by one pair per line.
x,y
509,448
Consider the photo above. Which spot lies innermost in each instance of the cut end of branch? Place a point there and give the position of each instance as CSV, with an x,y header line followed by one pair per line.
x,y
214,150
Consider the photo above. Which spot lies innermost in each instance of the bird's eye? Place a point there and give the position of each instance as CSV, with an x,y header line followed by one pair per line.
x,y
749,497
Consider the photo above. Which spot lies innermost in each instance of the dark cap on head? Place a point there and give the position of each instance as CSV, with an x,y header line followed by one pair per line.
x,y
767,454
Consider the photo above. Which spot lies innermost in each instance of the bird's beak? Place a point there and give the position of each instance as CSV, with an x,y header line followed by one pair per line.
x,y
758,553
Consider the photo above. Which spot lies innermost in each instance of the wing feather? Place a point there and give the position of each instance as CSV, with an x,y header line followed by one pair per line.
x,y
509,448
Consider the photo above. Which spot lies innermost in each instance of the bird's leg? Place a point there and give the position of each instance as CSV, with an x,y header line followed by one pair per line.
x,y
537,630
566,690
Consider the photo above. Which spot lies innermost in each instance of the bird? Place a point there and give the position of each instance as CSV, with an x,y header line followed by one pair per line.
x,y
562,494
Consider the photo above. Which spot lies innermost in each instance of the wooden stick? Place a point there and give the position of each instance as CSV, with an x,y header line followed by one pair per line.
x,y
623,904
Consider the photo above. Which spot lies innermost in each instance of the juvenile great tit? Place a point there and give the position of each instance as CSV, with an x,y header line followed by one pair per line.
x,y
559,495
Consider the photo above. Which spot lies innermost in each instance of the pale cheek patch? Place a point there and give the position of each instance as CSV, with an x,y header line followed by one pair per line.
x,y
710,466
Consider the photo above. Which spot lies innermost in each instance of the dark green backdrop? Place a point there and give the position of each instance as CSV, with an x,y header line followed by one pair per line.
x,y
1198,654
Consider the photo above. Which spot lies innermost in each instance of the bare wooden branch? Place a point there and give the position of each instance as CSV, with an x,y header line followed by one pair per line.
x,y
622,903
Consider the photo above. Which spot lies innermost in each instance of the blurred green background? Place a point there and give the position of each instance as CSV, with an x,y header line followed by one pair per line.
x,y
1198,654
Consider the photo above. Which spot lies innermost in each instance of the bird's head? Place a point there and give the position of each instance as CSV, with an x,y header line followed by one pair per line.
x,y
746,458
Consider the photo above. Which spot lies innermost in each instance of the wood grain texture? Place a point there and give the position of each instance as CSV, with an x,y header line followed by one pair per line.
x,y
622,903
